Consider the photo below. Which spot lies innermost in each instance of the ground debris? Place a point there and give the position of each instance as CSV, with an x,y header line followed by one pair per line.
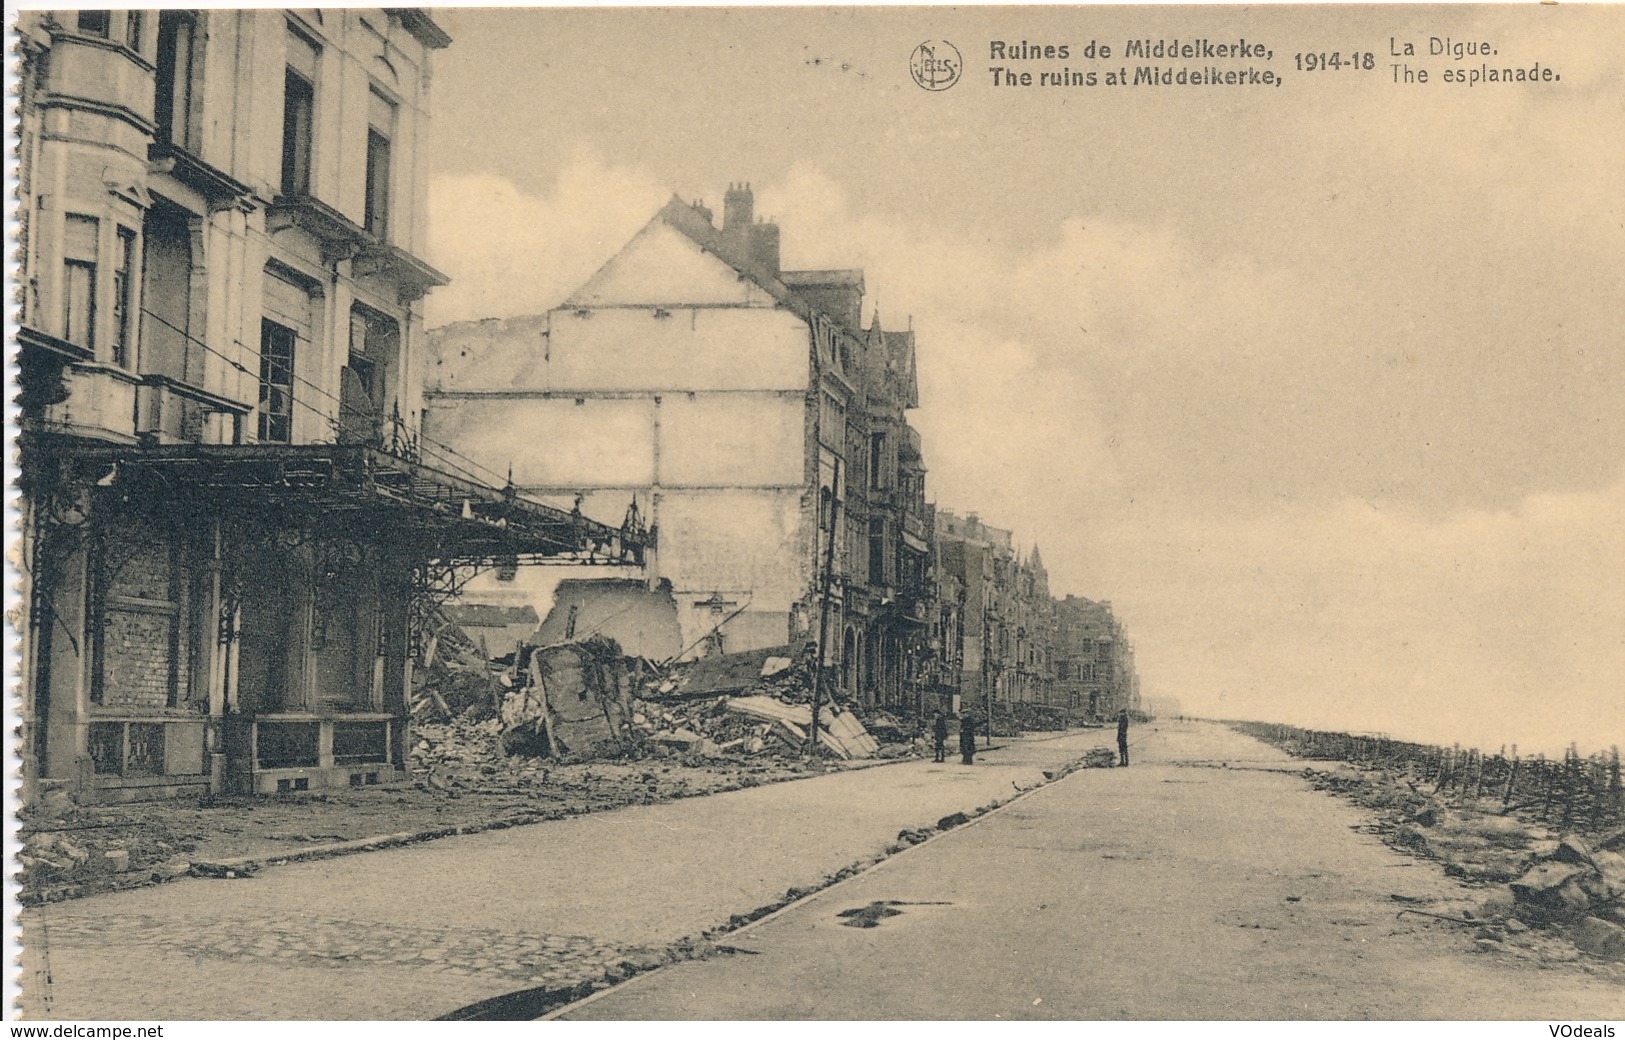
x,y
1541,882
1100,758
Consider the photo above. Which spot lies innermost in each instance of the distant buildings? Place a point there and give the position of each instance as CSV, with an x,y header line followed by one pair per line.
x,y
976,559
1094,659
1017,643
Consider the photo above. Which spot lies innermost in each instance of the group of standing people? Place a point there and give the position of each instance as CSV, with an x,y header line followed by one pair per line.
x,y
967,738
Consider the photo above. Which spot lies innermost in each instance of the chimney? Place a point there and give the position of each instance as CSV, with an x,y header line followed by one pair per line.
x,y
702,209
764,247
738,210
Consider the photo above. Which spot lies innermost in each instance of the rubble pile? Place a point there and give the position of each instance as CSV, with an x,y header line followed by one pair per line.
x,y
1100,758
707,728
1562,884
95,848
586,701
1013,718
455,678
1577,889
758,702
569,698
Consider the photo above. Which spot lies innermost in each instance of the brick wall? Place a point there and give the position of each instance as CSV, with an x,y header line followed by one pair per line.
x,y
135,659
137,563
138,640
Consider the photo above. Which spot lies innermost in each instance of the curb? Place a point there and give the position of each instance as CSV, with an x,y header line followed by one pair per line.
x,y
249,864
841,878
244,866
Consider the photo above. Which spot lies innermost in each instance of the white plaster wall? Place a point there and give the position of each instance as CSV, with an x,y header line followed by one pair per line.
x,y
553,442
737,541
661,265
694,348
736,440
493,354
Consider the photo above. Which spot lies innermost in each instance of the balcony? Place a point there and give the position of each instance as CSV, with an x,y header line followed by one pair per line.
x,y
343,239
42,361
169,411
339,237
99,403
412,277
914,533
219,189
908,449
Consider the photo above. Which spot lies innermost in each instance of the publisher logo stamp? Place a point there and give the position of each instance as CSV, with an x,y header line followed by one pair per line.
x,y
936,65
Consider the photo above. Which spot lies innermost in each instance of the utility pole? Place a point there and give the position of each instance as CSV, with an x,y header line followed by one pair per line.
x,y
823,606
990,670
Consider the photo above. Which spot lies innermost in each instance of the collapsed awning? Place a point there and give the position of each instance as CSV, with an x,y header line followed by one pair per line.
x,y
361,490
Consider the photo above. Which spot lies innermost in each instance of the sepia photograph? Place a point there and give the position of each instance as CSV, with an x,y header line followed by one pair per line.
x,y
816,513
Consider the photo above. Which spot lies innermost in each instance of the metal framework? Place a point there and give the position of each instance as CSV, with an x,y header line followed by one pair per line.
x,y
357,490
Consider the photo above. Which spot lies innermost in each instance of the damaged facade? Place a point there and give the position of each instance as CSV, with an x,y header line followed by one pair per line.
x,y
1094,658
746,413
230,518
1017,643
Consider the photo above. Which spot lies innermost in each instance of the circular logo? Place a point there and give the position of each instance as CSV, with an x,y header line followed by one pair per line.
x,y
936,65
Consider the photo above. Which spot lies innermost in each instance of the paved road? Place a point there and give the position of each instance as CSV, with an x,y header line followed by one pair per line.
x,y
415,932
1207,882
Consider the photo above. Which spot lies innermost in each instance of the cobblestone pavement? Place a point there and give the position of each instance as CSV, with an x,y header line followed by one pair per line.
x,y
321,941
416,932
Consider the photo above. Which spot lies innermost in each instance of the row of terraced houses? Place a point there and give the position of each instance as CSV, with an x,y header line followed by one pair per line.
x,y
249,472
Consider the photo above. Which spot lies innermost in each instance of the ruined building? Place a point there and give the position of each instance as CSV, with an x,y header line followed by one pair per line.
x,y
230,515
1030,674
1013,641
1094,664
745,413
978,558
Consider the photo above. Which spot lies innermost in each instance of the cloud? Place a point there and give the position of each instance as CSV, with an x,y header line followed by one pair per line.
x,y
510,253
1484,627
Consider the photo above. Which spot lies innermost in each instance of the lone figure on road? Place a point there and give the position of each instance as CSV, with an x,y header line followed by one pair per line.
x,y
939,730
967,740
1122,737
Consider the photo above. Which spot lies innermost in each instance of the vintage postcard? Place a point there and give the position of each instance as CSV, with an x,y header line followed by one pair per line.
x,y
988,513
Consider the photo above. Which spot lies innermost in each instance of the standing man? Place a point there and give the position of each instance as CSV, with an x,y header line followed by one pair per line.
x,y
939,730
967,740
1122,737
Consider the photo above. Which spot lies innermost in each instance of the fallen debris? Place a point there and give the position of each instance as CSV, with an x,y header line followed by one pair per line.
x,y
1548,882
1599,938
567,698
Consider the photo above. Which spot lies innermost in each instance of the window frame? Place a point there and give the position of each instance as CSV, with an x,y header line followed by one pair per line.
x,y
126,297
300,97
298,127
104,31
175,76
877,551
80,281
378,188
265,419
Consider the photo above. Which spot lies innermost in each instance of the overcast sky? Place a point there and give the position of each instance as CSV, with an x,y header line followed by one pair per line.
x,y
1322,386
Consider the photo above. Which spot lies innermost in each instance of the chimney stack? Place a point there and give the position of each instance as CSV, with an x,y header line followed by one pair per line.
x,y
764,247
738,210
